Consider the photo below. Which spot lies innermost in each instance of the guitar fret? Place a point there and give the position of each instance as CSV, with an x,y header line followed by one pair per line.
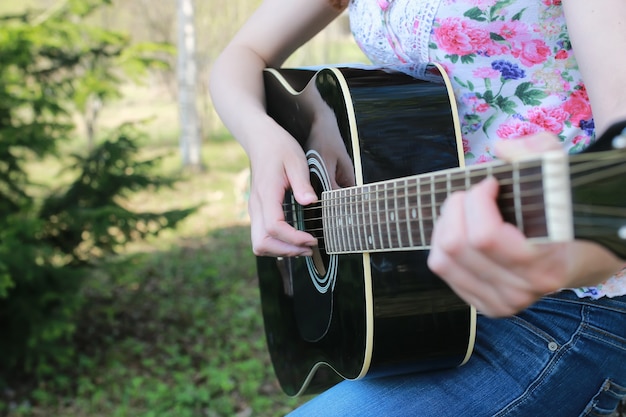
x,y
385,214
400,218
356,235
396,214
337,219
373,206
360,218
328,221
330,231
354,214
390,216
380,230
442,193
332,220
344,228
349,222
488,172
420,210
517,198
384,224
370,238
407,214
413,213
536,222
357,218
433,201
340,222
325,221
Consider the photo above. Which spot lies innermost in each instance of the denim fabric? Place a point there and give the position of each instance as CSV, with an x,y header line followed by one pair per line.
x,y
564,356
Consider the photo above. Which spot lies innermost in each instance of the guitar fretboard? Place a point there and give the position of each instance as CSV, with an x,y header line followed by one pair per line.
x,y
400,214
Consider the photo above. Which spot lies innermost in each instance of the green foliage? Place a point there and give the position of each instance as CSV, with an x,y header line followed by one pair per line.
x,y
169,334
174,332
47,252
88,219
171,352
50,240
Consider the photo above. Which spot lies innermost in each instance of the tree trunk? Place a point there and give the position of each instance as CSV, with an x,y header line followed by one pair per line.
x,y
190,138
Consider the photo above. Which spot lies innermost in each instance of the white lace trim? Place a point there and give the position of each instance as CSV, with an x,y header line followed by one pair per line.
x,y
429,11
373,22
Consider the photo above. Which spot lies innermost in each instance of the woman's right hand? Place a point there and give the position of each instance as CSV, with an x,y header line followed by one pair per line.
x,y
278,164
275,30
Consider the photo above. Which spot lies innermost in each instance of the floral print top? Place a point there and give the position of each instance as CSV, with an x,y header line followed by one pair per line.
x,y
510,62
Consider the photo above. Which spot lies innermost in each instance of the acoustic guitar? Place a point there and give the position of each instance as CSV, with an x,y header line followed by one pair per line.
x,y
384,151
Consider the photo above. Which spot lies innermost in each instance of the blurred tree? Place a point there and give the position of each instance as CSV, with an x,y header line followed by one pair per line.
x,y
190,137
49,239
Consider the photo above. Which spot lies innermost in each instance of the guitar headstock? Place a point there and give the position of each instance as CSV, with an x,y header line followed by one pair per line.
x,y
598,181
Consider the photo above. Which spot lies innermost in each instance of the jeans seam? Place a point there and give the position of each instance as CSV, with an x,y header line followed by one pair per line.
x,y
589,302
595,332
550,365
526,325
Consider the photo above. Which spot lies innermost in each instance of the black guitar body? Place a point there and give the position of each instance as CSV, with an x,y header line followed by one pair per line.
x,y
383,312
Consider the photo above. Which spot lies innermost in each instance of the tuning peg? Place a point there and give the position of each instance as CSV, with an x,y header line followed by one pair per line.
x,y
619,141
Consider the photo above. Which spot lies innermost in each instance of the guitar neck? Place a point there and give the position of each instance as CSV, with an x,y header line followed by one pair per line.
x,y
400,214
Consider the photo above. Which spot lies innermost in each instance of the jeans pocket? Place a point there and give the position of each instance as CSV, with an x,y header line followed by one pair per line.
x,y
606,400
524,320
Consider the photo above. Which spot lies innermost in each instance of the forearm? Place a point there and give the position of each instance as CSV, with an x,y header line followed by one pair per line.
x,y
236,86
271,35
598,33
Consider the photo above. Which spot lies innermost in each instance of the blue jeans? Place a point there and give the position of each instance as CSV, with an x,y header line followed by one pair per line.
x,y
564,356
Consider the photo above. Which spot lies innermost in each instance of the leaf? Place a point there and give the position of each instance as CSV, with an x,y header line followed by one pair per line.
x,y
528,95
460,82
518,16
500,5
506,105
468,59
488,123
475,14
496,37
488,96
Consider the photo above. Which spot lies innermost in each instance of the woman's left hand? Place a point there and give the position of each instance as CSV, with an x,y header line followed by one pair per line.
x,y
490,263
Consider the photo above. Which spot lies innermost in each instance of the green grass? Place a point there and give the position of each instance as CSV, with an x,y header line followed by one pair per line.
x,y
172,326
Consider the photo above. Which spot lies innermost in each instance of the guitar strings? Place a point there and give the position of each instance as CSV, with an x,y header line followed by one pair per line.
x,y
355,241
584,165
379,229
425,200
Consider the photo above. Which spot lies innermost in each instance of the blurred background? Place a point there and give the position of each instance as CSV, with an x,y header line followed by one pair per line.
x,y
127,282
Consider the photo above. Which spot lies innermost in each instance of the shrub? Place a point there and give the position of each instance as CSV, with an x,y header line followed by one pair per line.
x,y
50,239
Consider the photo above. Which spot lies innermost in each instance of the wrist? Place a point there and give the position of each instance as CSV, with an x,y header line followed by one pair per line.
x,y
590,264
